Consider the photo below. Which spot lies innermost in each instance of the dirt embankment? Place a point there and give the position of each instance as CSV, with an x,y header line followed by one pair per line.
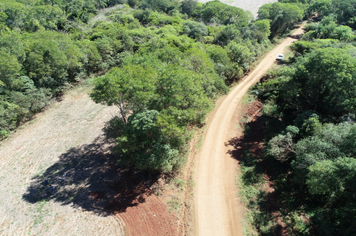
x,y
217,208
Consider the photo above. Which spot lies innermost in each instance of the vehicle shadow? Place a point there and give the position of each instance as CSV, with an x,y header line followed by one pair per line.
x,y
89,178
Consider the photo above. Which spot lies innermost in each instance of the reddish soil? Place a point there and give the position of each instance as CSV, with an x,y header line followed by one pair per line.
x,y
217,207
254,142
149,218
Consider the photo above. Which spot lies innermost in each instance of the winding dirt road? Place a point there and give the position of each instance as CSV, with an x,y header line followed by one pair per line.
x,y
217,208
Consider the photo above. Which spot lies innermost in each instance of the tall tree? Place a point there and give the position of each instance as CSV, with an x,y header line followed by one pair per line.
x,y
131,88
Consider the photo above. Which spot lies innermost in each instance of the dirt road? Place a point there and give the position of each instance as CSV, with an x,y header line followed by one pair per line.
x,y
217,209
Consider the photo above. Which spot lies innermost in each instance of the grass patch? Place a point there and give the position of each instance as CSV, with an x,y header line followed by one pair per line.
x,y
174,204
40,212
179,183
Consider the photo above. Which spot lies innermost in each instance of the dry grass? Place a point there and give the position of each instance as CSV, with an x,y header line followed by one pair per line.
x,y
42,149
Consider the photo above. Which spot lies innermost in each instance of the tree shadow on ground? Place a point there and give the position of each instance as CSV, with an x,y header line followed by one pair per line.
x,y
88,177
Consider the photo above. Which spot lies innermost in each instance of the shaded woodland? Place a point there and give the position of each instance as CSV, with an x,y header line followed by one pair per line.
x,y
308,112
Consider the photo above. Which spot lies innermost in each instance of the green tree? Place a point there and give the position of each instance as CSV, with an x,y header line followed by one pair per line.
x,y
282,15
182,95
52,58
321,7
218,12
47,17
131,88
227,34
282,146
188,7
239,54
332,177
160,5
9,68
333,183
144,146
321,81
325,144
194,29
15,13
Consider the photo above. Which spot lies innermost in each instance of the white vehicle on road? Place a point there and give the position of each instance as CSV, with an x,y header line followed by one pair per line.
x,y
280,57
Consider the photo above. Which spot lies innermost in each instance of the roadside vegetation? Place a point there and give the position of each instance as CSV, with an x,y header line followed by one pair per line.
x,y
164,64
302,180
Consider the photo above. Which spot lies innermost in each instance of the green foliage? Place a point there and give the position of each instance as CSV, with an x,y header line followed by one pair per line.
x,y
325,144
194,29
44,17
282,147
328,28
224,67
303,47
332,177
145,146
165,6
218,12
51,58
264,28
239,54
321,80
312,95
181,95
163,71
227,34
282,16
343,10
9,68
92,58
188,7
334,180
129,88
14,13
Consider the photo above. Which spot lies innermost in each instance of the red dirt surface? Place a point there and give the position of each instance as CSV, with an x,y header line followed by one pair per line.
x,y
217,207
149,218
254,143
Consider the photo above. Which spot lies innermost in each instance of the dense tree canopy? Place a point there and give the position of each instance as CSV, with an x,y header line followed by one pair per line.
x,y
160,59
282,16
311,97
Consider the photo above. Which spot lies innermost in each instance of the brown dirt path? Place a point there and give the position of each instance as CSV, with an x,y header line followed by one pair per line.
x,y
217,208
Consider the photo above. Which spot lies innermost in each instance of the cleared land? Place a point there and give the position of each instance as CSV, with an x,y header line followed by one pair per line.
x,y
249,5
66,145
217,208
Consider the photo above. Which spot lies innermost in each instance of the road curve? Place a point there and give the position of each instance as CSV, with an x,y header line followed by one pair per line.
x,y
216,206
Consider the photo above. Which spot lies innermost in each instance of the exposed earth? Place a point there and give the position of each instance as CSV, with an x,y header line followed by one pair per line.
x,y
217,208
65,147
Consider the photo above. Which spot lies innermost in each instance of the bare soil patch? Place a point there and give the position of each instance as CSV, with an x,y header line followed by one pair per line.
x,y
65,147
